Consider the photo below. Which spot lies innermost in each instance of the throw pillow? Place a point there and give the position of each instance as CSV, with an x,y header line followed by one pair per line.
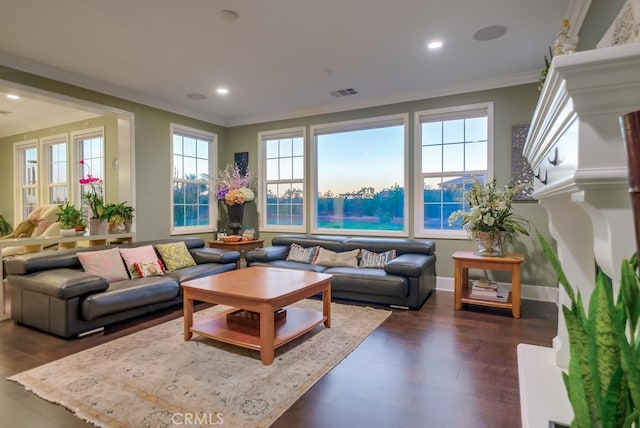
x,y
105,263
131,256
297,253
369,259
332,259
175,255
143,269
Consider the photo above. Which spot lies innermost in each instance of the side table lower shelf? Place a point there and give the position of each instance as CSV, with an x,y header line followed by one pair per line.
x,y
466,298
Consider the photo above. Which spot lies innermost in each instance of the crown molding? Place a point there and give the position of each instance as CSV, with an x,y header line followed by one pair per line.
x,y
441,91
104,88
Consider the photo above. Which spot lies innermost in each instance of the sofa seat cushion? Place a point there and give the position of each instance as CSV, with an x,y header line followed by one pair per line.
x,y
128,294
368,281
291,265
198,271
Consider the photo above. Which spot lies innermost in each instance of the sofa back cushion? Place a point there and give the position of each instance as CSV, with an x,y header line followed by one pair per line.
x,y
333,243
401,245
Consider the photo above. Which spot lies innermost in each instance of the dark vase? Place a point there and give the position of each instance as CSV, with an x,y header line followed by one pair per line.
x,y
630,124
236,212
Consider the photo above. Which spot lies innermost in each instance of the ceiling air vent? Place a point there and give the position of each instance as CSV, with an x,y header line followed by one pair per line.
x,y
344,92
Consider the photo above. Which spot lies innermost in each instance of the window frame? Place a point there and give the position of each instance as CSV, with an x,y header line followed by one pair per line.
x,y
212,139
77,169
298,132
19,150
45,183
444,114
356,125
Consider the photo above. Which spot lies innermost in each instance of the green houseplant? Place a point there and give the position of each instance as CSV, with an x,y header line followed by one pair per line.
x,y
603,380
5,227
119,216
70,217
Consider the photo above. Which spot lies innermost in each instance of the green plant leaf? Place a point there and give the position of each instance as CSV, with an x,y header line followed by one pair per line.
x,y
579,383
615,400
630,294
551,256
602,335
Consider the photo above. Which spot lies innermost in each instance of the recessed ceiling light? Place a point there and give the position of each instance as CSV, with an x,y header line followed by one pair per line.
x,y
196,96
436,44
222,91
228,15
490,33
13,97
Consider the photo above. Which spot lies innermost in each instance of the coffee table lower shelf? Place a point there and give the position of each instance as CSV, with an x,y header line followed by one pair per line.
x,y
295,324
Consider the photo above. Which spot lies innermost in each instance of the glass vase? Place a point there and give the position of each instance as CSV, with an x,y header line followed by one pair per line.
x,y
489,243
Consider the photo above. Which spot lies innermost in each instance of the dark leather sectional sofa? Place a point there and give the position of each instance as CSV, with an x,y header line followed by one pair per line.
x,y
51,292
406,281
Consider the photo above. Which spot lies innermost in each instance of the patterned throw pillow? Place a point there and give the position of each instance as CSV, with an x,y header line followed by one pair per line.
x,y
369,259
105,263
175,255
131,256
143,269
331,258
297,253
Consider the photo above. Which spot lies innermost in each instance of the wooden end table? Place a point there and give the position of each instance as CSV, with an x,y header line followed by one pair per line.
x,y
465,260
241,246
263,290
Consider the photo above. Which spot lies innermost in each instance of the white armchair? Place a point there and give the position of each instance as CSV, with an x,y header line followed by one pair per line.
x,y
40,223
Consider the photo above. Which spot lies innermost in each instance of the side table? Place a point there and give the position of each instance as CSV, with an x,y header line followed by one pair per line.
x,y
241,246
465,260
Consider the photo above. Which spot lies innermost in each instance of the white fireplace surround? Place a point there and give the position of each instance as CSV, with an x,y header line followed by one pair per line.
x,y
576,150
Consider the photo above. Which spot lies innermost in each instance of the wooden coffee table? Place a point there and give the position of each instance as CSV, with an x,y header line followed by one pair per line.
x,y
263,290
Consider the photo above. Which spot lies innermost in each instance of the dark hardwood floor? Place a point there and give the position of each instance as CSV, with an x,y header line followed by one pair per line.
x,y
428,368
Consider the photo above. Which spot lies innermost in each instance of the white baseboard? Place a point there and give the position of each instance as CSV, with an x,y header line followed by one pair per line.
x,y
529,292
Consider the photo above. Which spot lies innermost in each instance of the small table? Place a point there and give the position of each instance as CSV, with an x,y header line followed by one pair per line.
x,y
263,290
465,260
241,246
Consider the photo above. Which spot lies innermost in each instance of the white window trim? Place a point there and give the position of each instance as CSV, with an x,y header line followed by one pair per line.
x,y
213,162
262,181
43,148
17,177
443,114
353,125
77,170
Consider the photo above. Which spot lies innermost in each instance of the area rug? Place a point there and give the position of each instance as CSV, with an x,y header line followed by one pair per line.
x,y
153,378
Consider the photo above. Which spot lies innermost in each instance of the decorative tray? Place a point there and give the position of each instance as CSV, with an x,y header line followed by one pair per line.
x,y
231,238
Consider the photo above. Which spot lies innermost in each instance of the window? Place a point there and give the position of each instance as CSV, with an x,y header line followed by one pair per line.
x,y
451,146
193,155
56,183
90,148
26,157
282,178
360,176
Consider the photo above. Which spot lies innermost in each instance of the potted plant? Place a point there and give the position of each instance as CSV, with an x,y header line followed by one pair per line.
x,y
119,217
71,220
603,380
5,227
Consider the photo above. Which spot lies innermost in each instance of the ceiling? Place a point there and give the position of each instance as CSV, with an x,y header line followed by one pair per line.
x,y
278,59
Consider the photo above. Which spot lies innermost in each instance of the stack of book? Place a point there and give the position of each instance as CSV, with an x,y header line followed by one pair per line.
x,y
489,290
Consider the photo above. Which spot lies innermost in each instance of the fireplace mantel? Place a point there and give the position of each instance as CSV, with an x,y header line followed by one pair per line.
x,y
576,150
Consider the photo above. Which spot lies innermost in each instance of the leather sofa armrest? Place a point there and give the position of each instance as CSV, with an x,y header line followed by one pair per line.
x,y
409,265
267,254
214,255
60,283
